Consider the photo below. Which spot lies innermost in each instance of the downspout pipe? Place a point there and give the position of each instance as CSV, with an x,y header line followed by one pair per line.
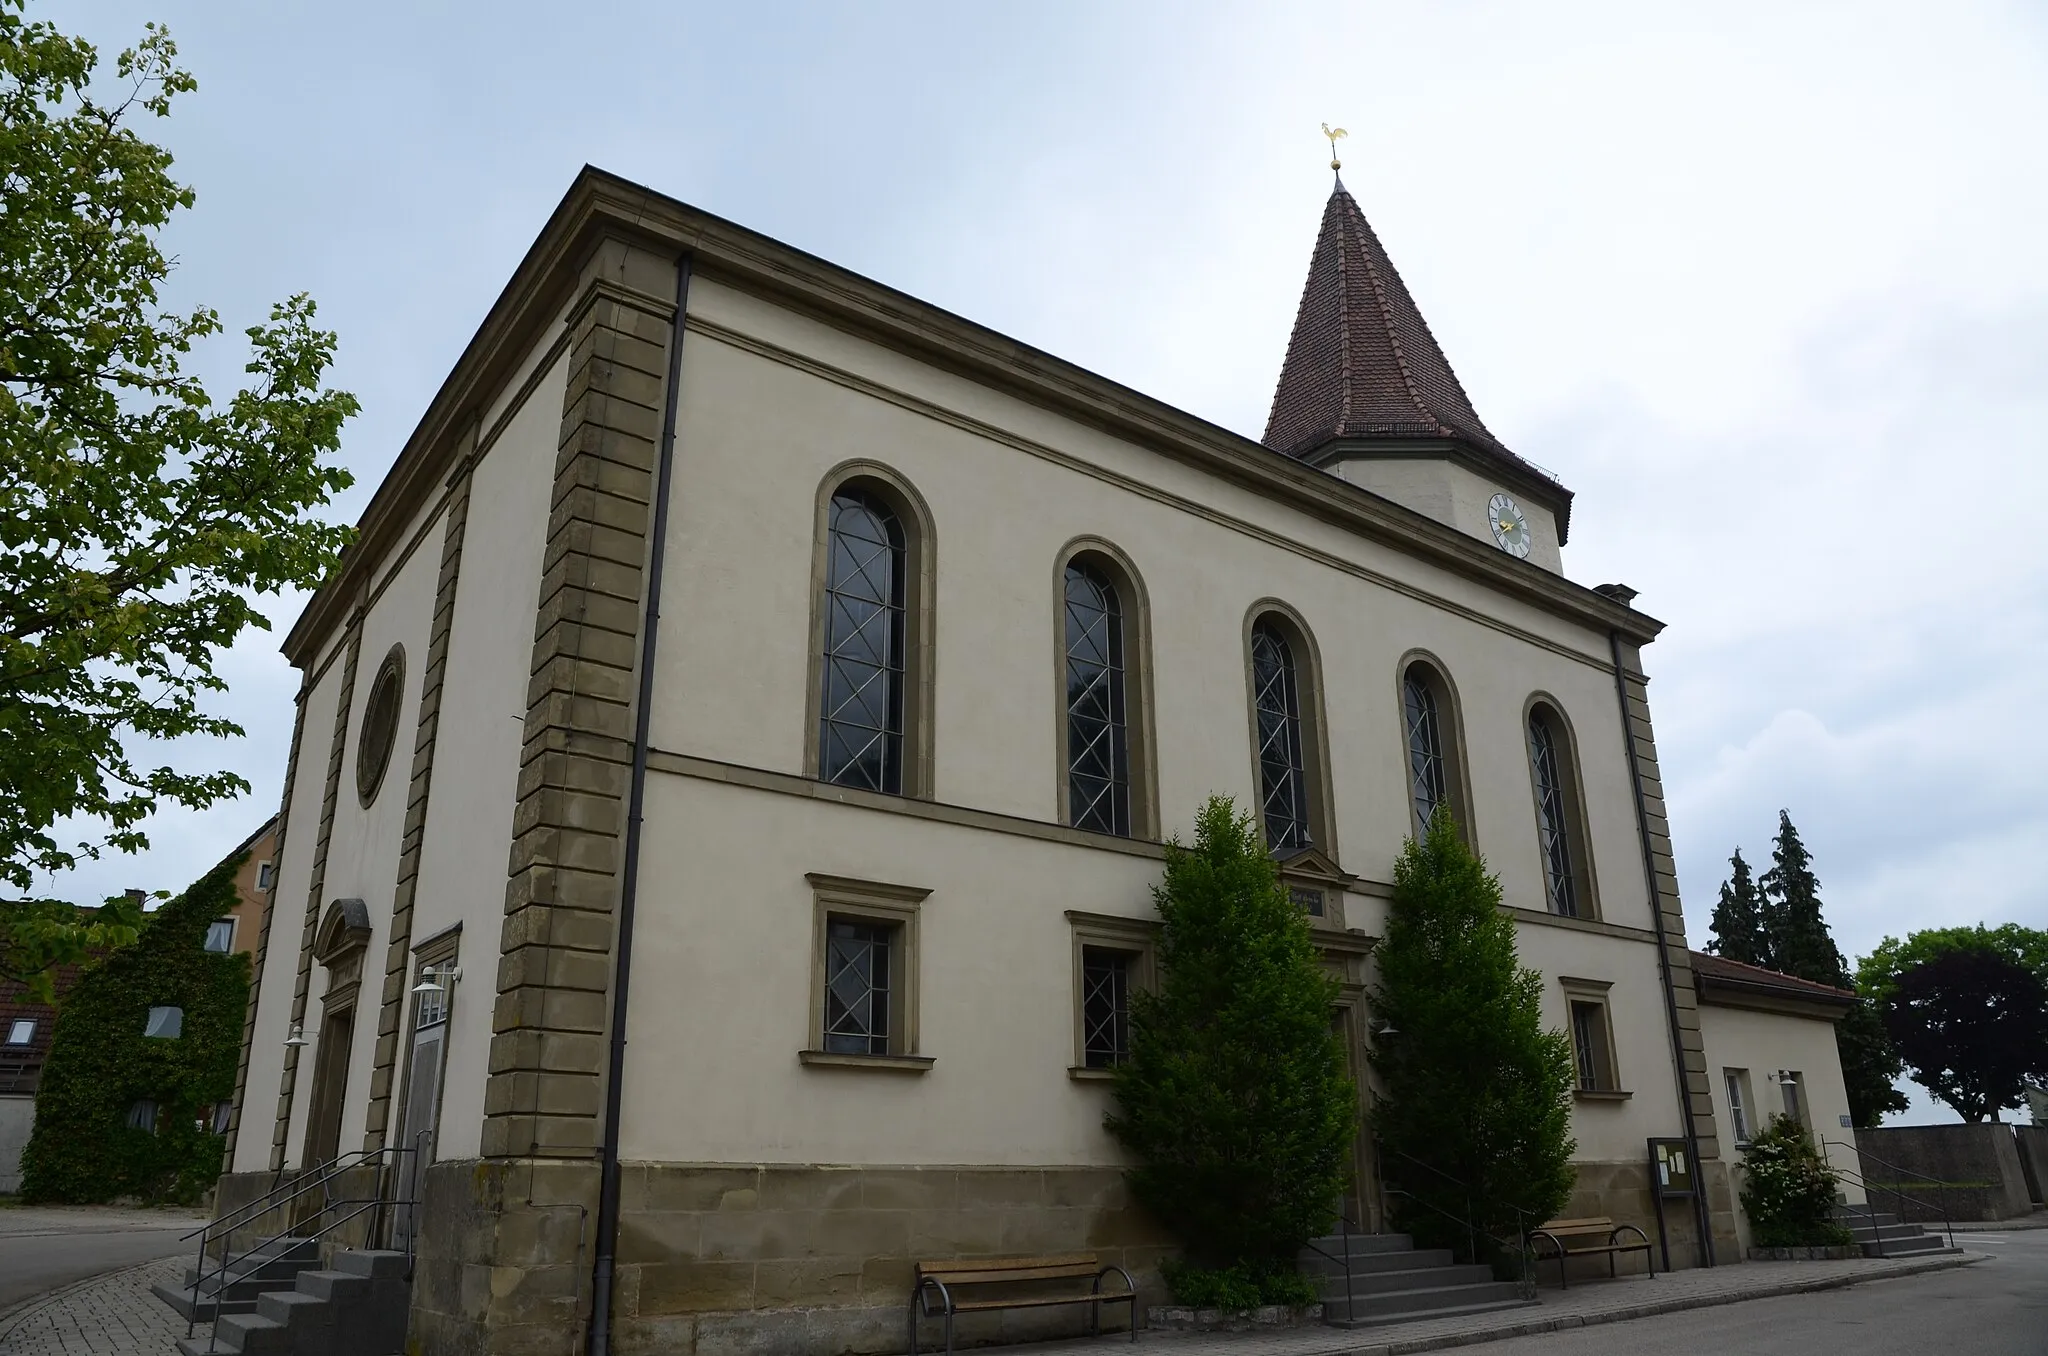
x,y
607,1242
1702,1217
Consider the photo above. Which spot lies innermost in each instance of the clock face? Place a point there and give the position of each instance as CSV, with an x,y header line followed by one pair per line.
x,y
1510,526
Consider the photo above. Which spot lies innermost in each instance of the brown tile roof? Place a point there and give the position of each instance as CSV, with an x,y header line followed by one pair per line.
x,y
1362,362
1755,977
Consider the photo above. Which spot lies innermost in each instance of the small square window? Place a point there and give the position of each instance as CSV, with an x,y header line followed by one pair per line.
x,y
220,935
142,1116
165,1023
864,975
263,873
1307,898
1105,1006
22,1031
1591,1052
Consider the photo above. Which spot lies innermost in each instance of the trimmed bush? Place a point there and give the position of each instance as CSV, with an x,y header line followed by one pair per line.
x,y
1234,1100
101,1066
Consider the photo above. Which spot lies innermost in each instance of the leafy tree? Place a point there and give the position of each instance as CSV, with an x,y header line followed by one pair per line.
x,y
1871,1064
101,1065
1797,936
1738,924
1475,1105
1788,1191
139,516
1234,1100
1878,973
1972,1023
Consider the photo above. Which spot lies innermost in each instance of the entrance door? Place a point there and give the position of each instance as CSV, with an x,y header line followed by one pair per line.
x,y
330,1088
422,1118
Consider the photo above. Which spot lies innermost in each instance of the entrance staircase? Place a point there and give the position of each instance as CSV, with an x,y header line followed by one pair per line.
x,y
1390,1279
1883,1235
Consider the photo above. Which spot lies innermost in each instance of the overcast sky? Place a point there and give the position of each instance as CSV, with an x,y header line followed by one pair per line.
x,y
1763,283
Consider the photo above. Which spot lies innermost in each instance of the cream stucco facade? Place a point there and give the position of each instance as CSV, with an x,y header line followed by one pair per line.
x,y
728,1177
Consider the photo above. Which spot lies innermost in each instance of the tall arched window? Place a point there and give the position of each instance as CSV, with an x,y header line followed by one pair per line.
x,y
860,737
1098,731
1276,701
1566,879
1431,723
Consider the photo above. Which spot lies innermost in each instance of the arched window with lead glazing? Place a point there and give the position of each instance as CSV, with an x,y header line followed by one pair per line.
x,y
1283,777
1428,767
860,739
1098,729
1556,829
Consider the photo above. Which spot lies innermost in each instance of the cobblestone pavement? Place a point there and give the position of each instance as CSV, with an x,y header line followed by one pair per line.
x,y
1582,1306
113,1313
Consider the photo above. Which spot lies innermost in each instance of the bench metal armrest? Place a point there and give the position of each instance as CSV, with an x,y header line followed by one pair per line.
x,y
1535,1234
1130,1286
1615,1237
923,1301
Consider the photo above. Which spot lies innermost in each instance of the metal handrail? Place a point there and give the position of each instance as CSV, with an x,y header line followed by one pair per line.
x,y
1472,1232
386,1159
1863,1180
1350,1299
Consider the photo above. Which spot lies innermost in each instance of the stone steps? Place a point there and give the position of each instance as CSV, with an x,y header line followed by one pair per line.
x,y
1880,1234
357,1309
1391,1279
276,1265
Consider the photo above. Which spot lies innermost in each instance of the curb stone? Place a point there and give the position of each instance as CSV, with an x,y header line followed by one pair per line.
x,y
1537,1326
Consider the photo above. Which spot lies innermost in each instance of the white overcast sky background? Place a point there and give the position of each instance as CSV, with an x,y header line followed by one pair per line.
x,y
1765,284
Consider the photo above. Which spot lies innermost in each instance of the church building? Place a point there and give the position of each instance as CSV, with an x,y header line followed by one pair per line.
x,y
732,764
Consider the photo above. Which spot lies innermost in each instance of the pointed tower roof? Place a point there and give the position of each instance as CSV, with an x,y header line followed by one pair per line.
x,y
1362,364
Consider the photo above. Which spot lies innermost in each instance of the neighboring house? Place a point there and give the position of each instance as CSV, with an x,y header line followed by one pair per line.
x,y
25,1029
951,634
1770,1044
242,925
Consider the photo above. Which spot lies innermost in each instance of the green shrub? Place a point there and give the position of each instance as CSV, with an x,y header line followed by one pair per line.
x,y
1236,1289
1788,1189
1234,1101
82,1149
1473,1116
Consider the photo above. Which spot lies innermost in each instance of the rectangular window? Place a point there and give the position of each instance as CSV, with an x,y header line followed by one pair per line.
x,y
142,1116
22,1031
222,1113
1590,1049
165,1023
1307,898
1112,960
1788,1084
857,993
263,876
220,935
864,975
1737,1081
1105,1006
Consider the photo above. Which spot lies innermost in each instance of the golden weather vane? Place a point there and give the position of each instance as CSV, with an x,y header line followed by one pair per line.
x,y
1333,133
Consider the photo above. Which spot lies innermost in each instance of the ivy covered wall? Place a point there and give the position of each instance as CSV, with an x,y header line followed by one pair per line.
x,y
125,1114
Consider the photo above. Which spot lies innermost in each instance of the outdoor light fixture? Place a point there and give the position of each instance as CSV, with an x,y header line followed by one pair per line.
x,y
1786,1077
297,1036
431,977
1386,1029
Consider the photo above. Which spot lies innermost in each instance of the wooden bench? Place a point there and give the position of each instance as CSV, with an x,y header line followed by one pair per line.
x,y
1570,1238
936,1293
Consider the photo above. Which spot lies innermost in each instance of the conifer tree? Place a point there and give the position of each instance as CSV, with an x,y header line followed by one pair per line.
x,y
1738,925
1474,1111
1796,934
1234,1100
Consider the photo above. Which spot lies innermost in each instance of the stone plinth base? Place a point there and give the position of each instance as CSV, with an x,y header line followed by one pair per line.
x,y
1220,1320
1827,1253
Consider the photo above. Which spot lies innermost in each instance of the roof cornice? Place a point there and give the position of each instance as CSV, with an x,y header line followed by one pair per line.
x,y
600,205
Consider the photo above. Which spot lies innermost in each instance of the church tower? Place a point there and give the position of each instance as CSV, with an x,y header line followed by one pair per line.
x,y
1367,395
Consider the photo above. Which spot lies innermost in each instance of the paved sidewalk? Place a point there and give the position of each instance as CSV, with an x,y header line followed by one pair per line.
x,y
2037,1220
101,1316
1581,1306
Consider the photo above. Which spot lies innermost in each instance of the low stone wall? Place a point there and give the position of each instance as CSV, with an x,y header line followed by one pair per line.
x,y
236,1190
1981,1164
2032,1143
816,1260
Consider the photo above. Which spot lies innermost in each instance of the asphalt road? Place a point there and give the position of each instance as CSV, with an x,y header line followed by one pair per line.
x,y
42,1249
1994,1308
